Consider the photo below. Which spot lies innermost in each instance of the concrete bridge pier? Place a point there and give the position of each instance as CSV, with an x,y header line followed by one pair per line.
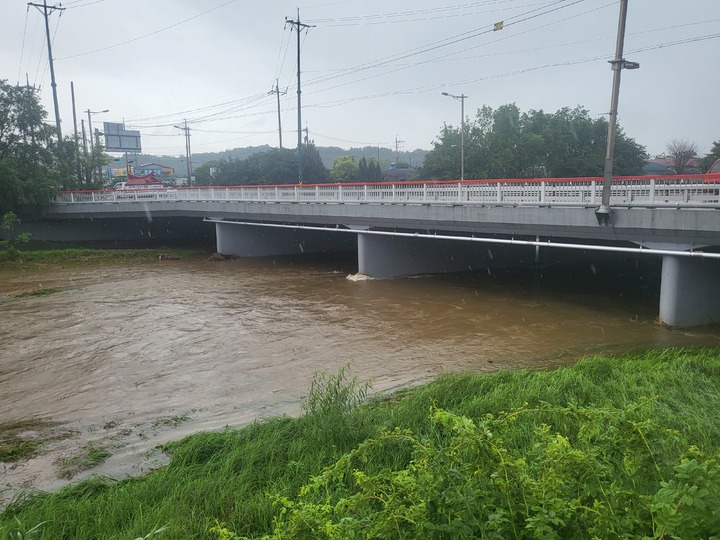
x,y
689,291
256,241
386,256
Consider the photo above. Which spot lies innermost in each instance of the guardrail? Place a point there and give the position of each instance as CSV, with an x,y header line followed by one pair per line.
x,y
643,191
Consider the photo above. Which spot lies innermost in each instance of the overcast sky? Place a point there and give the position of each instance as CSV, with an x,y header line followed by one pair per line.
x,y
372,70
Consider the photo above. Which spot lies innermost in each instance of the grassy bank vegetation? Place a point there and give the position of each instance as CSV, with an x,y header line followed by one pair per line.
x,y
613,447
47,256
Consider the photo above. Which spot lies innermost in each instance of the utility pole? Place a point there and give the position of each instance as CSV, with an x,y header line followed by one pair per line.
x,y
298,26
276,90
188,155
618,64
90,135
75,131
97,145
397,151
46,11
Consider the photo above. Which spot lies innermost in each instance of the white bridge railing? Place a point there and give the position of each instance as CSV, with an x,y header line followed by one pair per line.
x,y
641,191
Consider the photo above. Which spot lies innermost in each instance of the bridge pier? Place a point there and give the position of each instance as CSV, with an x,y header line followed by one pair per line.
x,y
254,241
385,257
689,291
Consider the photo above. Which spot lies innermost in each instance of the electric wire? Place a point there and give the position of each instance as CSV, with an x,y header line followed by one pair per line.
x,y
483,78
52,42
262,100
22,49
153,33
523,17
85,5
392,18
394,69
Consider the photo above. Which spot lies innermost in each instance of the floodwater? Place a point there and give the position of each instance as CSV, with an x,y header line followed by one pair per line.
x,y
128,356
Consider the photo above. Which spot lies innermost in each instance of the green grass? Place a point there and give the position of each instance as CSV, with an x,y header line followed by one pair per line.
x,y
69,257
229,477
88,457
22,439
42,291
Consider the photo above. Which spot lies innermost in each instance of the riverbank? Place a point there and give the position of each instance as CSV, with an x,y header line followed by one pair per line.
x,y
45,255
611,445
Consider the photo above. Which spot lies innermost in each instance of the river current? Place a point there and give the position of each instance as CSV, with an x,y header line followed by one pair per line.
x,y
128,356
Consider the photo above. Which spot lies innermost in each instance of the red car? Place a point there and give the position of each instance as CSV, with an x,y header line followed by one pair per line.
x,y
715,167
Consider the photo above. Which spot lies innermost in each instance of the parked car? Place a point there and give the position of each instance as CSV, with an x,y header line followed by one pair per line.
x,y
652,168
715,168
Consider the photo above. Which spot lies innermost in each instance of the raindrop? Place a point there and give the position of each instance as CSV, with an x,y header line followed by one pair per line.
x,y
593,269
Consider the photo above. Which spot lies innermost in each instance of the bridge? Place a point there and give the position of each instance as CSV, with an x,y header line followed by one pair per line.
x,y
407,228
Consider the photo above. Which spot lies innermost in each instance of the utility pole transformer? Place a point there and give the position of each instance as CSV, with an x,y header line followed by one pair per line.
x,y
298,26
46,11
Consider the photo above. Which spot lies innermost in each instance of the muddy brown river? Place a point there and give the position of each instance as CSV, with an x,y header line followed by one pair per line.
x,y
125,357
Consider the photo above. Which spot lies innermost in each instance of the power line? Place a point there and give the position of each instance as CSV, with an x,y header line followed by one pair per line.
x,y
153,33
214,114
45,68
420,15
86,5
22,49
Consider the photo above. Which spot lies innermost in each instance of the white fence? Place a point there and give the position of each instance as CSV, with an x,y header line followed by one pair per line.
x,y
694,190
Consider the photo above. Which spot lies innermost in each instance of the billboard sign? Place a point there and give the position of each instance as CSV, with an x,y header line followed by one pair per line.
x,y
119,139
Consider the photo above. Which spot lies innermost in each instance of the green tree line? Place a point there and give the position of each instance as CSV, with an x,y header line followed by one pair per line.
x,y
508,143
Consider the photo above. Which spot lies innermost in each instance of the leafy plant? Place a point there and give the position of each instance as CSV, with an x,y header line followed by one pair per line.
x,y
463,481
8,246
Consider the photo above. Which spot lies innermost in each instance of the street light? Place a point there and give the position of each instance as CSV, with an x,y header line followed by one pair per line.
x,y
90,113
461,97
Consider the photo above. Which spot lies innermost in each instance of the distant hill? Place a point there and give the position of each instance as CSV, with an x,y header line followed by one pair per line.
x,y
328,154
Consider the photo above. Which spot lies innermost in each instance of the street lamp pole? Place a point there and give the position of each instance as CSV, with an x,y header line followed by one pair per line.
x,y
461,98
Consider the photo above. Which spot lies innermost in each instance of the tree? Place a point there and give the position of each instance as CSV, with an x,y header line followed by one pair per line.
x,y
710,158
345,169
314,170
272,166
681,152
506,143
30,159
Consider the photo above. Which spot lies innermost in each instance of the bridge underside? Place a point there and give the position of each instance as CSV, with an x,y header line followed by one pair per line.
x,y
689,294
